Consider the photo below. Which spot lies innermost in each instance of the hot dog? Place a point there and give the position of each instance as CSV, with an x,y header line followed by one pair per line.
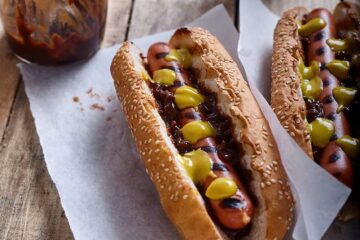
x,y
233,216
310,73
203,139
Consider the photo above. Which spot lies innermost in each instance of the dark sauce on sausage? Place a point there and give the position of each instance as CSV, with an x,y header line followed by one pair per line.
x,y
228,149
314,109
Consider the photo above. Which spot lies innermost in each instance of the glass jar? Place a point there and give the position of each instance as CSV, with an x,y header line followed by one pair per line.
x,y
54,32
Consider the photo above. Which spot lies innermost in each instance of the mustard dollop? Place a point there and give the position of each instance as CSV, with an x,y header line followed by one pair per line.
x,y
196,130
197,164
350,145
344,96
311,26
181,55
186,96
164,77
221,188
311,84
321,131
339,68
337,45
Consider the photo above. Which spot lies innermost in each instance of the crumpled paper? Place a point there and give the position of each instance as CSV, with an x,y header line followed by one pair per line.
x,y
92,159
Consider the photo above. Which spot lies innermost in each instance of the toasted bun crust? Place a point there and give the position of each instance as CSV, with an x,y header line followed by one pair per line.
x,y
181,201
286,97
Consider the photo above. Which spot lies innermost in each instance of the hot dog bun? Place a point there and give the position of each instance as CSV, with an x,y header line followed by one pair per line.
x,y
286,97
178,195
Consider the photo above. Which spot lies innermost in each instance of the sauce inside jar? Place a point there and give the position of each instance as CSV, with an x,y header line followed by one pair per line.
x,y
54,32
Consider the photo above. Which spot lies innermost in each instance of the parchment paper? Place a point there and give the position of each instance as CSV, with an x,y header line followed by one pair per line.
x,y
91,157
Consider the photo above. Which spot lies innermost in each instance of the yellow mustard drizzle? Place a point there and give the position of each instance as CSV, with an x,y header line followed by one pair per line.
x,y
339,68
311,26
321,130
311,84
181,55
164,77
337,45
350,145
186,96
221,188
344,96
196,130
197,164
145,76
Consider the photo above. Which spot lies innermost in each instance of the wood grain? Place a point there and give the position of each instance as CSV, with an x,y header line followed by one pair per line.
x,y
151,16
117,22
30,207
9,80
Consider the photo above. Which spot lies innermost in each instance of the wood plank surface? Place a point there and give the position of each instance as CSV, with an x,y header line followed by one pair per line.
x,y
9,79
30,207
151,16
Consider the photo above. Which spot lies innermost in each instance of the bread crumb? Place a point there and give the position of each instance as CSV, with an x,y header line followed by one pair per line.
x,y
110,98
76,99
89,90
97,106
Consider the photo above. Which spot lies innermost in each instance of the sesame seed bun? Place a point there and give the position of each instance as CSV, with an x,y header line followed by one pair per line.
x,y
179,197
286,97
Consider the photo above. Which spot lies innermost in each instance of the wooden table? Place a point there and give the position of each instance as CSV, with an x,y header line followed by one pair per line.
x,y
29,203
